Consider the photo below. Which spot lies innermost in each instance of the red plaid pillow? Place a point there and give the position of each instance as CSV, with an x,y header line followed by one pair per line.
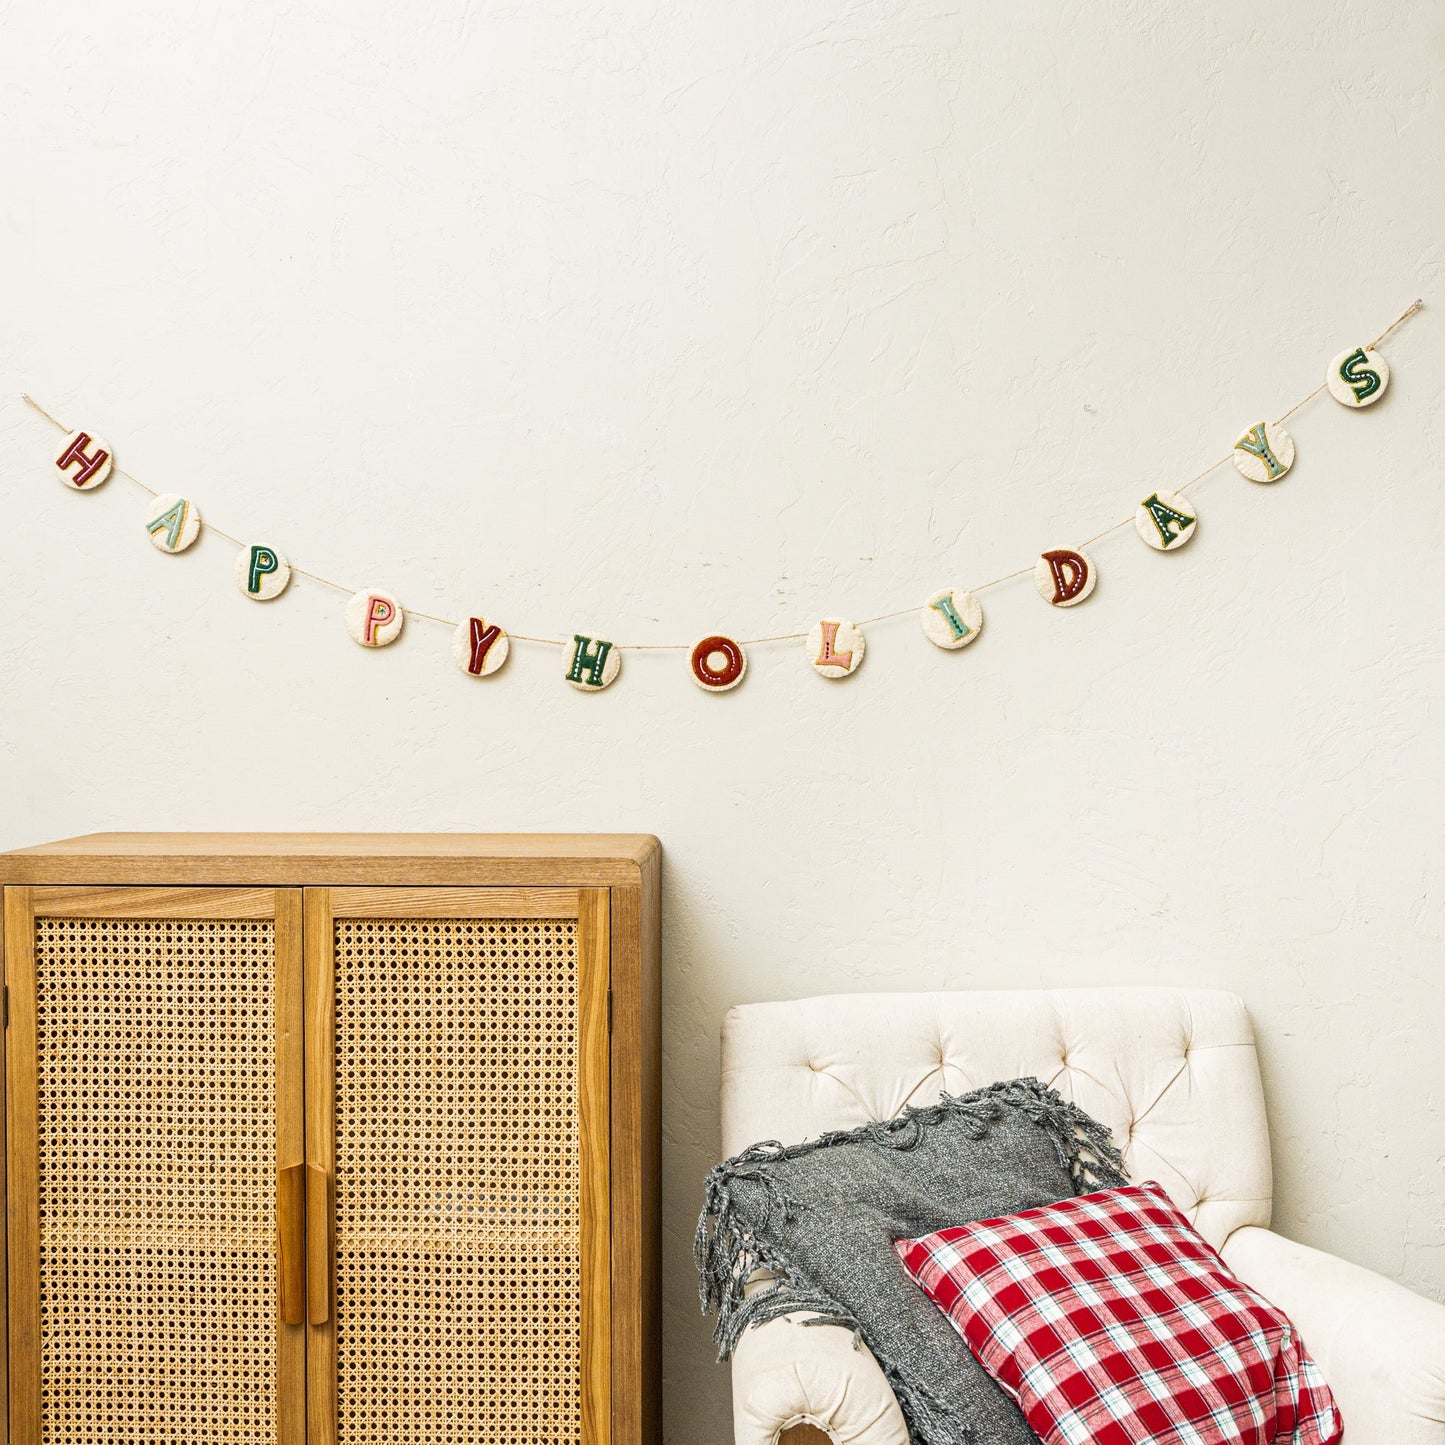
x,y
1111,1322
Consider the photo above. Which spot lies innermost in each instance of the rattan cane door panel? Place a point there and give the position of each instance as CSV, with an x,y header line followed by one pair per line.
x,y
155,1076
460,1037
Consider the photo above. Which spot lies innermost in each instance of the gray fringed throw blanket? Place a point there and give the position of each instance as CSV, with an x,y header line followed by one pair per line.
x,y
822,1217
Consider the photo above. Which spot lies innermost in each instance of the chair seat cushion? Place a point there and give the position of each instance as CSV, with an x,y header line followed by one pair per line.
x,y
822,1217
1112,1322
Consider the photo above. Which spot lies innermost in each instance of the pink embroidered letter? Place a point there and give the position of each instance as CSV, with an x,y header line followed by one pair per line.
x,y
378,613
829,658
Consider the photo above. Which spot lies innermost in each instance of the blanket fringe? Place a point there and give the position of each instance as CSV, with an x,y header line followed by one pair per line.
x,y
728,1252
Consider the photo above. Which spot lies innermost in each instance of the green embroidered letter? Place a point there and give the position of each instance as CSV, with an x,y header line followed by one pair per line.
x,y
1359,376
263,563
589,658
173,519
1171,524
1256,443
945,606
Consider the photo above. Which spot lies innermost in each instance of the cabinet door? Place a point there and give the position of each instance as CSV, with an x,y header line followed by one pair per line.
x,y
457,1141
155,1144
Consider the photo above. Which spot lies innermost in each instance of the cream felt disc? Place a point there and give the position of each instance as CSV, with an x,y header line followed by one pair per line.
x,y
374,618
835,647
479,647
717,663
593,663
1265,452
84,461
1166,521
1065,576
261,572
952,618
1358,377
172,522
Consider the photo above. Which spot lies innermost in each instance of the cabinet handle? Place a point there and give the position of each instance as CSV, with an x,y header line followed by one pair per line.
x,y
318,1243
290,1249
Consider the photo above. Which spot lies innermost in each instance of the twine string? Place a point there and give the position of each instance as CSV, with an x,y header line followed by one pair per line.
x,y
341,587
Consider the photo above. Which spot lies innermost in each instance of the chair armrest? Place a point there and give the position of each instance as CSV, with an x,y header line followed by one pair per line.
x,y
1381,1348
788,1373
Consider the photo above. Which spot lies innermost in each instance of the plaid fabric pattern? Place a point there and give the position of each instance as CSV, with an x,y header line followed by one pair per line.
x,y
1112,1322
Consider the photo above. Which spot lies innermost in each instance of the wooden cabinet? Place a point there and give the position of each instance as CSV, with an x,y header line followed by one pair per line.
x,y
332,1140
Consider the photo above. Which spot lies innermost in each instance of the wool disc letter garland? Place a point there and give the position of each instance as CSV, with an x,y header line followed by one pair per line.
x,y
950,619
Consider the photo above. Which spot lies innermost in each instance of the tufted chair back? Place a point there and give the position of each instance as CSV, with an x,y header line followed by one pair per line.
x,y
1171,1071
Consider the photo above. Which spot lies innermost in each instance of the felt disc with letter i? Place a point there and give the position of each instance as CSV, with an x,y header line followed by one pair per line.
x,y
952,618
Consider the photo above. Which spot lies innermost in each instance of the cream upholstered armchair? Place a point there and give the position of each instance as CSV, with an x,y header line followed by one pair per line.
x,y
1172,1072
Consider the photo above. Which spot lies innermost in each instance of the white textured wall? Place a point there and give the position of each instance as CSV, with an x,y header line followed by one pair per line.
x,y
664,318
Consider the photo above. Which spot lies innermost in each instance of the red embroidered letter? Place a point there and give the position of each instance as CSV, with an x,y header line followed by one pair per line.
x,y
1071,575
721,675
483,637
74,455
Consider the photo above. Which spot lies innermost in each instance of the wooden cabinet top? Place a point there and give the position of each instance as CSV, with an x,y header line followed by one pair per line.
x,y
340,859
